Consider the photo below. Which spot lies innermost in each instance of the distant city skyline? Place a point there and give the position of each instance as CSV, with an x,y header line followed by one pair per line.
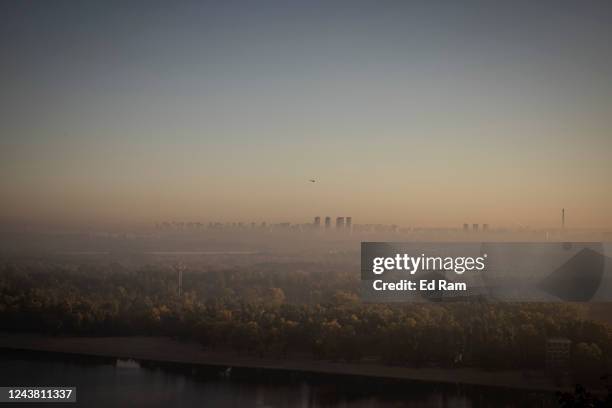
x,y
412,113
344,223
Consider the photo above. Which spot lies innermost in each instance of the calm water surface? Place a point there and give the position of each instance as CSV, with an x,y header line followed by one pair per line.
x,y
105,382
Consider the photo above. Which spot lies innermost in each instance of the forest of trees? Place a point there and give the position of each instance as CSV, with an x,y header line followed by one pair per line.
x,y
279,310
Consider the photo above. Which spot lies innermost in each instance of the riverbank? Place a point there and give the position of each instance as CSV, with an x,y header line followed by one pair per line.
x,y
163,349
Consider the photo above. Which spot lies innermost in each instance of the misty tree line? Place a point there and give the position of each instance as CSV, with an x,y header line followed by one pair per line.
x,y
284,310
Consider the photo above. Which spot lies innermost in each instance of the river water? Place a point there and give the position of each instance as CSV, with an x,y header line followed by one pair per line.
x,y
108,382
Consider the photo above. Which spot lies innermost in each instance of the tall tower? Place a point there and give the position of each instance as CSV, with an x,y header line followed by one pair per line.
x,y
179,268
349,223
563,218
317,222
327,222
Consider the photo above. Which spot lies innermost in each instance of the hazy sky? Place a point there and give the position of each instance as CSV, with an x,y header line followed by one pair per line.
x,y
432,113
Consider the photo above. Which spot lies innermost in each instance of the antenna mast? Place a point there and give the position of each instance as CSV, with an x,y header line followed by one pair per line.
x,y
563,218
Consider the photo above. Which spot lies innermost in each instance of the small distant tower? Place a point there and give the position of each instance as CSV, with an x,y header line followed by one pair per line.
x,y
475,227
485,227
339,223
466,227
317,222
179,268
349,223
558,353
327,222
563,218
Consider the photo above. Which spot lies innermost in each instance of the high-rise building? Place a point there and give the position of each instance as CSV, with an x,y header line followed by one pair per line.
x,y
349,223
339,223
327,222
475,227
485,227
317,222
466,227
